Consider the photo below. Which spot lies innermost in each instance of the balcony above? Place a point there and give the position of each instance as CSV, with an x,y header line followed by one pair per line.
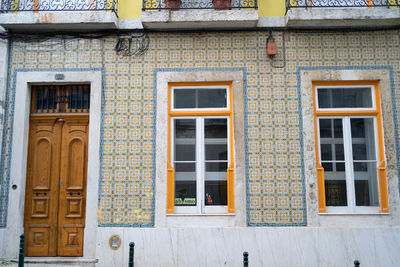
x,y
60,15
199,14
343,13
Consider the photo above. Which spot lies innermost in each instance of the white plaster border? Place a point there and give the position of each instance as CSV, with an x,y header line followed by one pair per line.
x,y
20,148
306,77
221,220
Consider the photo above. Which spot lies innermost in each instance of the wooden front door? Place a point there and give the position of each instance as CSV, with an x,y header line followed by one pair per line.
x,y
56,173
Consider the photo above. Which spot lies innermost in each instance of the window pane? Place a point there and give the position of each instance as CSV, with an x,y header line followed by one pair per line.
x,y
212,98
328,167
215,128
366,186
216,193
185,152
325,128
326,152
335,192
185,184
363,138
185,142
344,97
216,149
339,152
215,132
338,128
185,128
185,98
331,146
215,183
200,98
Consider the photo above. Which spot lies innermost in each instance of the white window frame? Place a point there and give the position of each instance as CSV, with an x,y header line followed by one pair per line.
x,y
349,166
372,90
347,144
200,207
173,88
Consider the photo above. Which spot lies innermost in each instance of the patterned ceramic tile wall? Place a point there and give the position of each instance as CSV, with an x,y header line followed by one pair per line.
x,y
274,169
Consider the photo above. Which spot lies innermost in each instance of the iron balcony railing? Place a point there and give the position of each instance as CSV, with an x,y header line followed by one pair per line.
x,y
152,5
58,5
291,4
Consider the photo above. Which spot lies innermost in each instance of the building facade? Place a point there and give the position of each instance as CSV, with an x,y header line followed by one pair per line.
x,y
176,128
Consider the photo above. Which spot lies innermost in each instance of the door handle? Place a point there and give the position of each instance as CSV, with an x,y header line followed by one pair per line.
x,y
40,193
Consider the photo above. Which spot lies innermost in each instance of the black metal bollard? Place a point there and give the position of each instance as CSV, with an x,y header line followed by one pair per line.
x,y
356,263
245,259
131,253
21,250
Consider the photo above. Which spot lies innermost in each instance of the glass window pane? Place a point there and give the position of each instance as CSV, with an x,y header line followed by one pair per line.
x,y
185,98
325,128
338,128
212,98
185,128
185,152
216,143
185,140
216,193
215,128
365,182
358,127
328,167
344,97
185,184
335,192
363,140
339,152
216,152
215,183
335,185
200,98
326,152
340,167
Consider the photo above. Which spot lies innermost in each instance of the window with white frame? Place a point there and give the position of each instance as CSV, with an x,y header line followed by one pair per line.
x,y
200,148
347,122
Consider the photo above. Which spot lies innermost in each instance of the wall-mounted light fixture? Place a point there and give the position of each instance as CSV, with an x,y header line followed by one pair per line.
x,y
271,45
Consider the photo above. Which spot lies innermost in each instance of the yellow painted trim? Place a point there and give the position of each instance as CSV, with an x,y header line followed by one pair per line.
x,y
271,8
170,189
177,113
170,170
382,180
231,170
320,169
347,113
321,189
181,84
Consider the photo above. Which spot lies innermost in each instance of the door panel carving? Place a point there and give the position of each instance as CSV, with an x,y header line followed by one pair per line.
x,y
73,172
41,168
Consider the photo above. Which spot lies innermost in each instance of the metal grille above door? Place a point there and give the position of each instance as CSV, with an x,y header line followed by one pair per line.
x,y
60,98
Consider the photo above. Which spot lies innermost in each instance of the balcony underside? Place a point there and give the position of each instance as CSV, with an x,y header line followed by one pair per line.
x,y
28,21
200,19
349,17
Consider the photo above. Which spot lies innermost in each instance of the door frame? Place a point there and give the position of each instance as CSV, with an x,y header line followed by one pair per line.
x,y
20,136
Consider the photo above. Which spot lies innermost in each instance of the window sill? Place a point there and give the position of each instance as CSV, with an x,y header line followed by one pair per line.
x,y
200,214
353,214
